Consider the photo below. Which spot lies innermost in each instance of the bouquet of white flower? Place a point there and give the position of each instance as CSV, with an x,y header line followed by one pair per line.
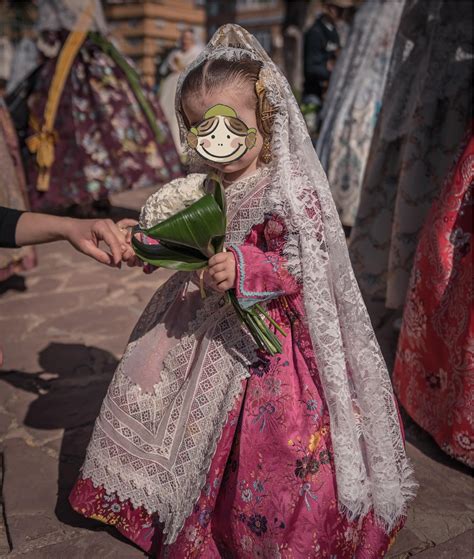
x,y
171,198
187,217
186,222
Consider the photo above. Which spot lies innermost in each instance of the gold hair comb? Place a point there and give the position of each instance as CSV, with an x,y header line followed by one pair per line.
x,y
259,87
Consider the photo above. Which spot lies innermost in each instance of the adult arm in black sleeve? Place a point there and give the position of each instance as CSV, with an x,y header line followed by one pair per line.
x,y
8,222
85,235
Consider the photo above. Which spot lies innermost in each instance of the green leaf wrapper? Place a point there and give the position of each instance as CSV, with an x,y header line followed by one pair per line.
x,y
186,242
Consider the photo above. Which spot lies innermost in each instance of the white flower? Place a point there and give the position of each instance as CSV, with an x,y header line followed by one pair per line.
x,y
172,198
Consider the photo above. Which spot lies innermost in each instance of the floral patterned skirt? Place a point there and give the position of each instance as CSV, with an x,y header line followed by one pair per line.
x,y
434,369
12,195
271,488
103,141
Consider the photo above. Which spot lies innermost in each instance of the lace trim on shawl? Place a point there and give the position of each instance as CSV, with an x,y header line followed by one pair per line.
x,y
134,448
363,473
155,462
372,469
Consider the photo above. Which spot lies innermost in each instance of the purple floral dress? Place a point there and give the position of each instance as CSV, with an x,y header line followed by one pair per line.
x,y
103,143
271,489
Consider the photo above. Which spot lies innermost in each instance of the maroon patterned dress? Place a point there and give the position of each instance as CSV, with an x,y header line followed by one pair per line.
x,y
104,143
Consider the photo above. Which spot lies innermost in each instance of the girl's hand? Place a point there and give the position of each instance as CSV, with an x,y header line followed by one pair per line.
x,y
222,271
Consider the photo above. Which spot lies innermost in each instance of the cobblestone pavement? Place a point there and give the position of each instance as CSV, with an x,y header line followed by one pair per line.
x,y
63,330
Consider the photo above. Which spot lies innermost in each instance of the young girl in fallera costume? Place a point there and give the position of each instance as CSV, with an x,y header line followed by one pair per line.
x,y
206,446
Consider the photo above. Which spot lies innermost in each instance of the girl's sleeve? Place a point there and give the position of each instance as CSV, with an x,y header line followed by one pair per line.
x,y
262,268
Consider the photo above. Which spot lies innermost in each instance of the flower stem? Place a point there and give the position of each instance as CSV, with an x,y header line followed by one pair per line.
x,y
252,318
270,319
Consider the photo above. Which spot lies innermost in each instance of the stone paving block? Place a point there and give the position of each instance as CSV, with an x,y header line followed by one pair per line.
x,y
98,320
44,284
5,422
460,547
89,545
41,526
42,306
113,344
41,437
15,329
15,355
29,530
29,493
20,400
443,507
61,251
91,277
4,544
406,544
29,479
7,392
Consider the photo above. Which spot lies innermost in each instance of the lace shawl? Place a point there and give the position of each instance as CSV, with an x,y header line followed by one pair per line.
x,y
372,468
164,411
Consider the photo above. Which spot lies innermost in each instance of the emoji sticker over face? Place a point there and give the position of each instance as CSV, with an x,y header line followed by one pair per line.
x,y
221,137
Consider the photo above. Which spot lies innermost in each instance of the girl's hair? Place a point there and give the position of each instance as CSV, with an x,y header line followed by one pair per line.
x,y
212,75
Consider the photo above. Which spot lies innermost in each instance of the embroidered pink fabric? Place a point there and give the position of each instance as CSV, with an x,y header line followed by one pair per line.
x,y
165,418
271,489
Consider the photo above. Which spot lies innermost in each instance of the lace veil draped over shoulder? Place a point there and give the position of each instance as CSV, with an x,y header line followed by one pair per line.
x,y
372,468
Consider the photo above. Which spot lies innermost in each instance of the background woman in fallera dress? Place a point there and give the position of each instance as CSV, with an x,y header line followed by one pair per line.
x,y
109,133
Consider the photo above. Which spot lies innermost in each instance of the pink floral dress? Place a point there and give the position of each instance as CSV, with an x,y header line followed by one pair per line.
x,y
271,488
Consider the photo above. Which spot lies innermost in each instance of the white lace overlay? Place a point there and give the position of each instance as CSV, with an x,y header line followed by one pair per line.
x,y
372,468
155,447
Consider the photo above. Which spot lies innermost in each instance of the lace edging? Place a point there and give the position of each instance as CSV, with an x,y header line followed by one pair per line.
x,y
163,510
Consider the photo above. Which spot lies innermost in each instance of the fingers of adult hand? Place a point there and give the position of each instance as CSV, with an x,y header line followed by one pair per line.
x,y
90,249
133,261
103,225
125,226
108,232
128,254
126,222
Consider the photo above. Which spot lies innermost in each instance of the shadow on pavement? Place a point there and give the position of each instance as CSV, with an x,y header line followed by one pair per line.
x,y
70,387
13,283
425,443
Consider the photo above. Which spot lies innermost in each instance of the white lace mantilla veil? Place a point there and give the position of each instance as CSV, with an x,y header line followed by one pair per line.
x,y
372,469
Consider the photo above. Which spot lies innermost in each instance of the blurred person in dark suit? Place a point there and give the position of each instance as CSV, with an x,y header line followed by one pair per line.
x,y
321,46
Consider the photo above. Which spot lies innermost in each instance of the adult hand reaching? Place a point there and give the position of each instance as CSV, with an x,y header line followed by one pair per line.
x,y
85,236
